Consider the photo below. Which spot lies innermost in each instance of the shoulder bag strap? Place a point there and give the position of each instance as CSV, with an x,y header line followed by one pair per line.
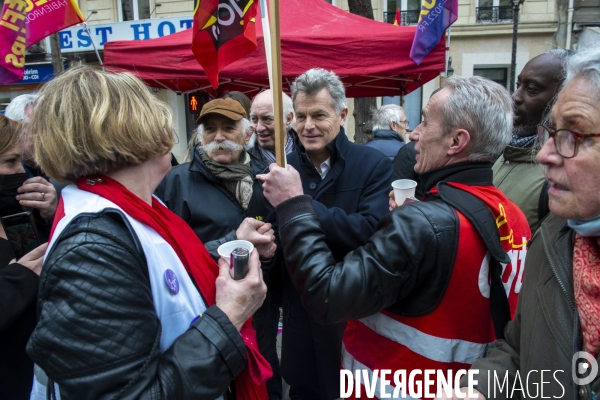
x,y
477,212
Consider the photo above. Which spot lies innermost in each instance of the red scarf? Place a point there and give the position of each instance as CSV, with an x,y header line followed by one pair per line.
x,y
586,286
250,383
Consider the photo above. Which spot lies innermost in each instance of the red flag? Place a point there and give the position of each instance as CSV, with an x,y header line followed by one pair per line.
x,y
25,22
397,19
224,31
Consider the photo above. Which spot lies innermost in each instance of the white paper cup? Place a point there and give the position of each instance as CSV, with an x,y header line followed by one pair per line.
x,y
225,249
403,189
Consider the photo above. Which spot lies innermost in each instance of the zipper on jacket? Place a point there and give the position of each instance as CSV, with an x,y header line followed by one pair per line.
x,y
560,283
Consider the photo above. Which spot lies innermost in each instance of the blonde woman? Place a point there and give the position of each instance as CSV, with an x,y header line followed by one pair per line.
x,y
132,305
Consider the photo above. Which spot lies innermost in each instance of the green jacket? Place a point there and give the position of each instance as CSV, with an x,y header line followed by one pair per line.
x,y
521,178
542,335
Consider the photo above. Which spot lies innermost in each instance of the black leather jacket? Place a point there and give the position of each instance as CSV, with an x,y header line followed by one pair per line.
x,y
98,332
405,266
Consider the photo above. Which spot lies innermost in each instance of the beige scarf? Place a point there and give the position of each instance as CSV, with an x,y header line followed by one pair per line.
x,y
236,177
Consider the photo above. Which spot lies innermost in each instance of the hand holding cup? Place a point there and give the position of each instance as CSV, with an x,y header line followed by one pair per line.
x,y
402,190
236,250
240,299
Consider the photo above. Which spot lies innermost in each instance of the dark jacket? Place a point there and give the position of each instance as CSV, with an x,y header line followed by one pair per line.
x,y
192,192
404,167
18,292
387,142
266,318
545,334
98,332
349,201
405,266
352,197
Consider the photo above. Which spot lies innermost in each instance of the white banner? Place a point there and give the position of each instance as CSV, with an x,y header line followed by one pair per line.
x,y
76,39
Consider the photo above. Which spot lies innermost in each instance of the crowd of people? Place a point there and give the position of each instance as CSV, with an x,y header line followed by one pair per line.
x,y
493,266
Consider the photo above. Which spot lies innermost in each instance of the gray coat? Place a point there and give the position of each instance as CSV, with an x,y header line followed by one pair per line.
x,y
545,333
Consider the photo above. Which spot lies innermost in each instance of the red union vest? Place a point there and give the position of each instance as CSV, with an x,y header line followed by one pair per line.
x,y
459,330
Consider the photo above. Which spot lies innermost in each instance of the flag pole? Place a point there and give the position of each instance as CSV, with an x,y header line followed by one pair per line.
x,y
93,44
264,15
276,85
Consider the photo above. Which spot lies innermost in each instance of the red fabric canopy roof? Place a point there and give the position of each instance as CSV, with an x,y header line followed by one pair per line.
x,y
371,57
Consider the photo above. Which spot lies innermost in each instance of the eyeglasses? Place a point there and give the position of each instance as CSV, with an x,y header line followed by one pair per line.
x,y
565,140
405,122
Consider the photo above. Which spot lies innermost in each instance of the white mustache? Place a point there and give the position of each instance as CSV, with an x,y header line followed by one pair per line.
x,y
226,145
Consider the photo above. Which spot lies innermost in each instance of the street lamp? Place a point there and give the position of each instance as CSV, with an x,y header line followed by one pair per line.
x,y
450,70
516,4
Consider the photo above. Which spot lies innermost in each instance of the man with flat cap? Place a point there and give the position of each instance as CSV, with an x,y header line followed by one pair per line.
x,y
217,193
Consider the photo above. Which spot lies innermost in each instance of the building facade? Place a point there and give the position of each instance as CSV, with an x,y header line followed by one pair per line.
x,y
480,41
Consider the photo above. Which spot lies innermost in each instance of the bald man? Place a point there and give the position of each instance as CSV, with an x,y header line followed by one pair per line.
x,y
516,173
266,319
263,120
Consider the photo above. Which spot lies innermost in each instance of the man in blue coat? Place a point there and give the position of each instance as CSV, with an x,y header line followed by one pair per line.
x,y
349,185
389,127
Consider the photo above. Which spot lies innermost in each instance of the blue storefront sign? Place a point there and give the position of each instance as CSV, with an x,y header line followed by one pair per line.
x,y
77,39
37,74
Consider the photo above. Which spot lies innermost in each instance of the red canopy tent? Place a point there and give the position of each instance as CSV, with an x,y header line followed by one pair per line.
x,y
371,57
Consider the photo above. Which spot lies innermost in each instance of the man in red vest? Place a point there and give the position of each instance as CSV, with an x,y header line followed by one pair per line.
x,y
439,279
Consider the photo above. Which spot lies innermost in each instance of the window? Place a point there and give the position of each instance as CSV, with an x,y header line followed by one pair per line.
x,y
494,3
494,11
130,10
498,75
409,11
3,104
332,2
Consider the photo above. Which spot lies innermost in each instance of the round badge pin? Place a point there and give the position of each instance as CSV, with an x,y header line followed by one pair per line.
x,y
172,281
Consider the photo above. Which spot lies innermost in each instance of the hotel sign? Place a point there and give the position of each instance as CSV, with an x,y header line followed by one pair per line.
x,y
77,39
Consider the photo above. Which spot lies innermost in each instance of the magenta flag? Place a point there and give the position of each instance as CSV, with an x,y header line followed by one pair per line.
x,y
436,16
25,22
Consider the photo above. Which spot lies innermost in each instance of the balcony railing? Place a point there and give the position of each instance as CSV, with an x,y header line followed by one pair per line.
x,y
410,17
493,14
